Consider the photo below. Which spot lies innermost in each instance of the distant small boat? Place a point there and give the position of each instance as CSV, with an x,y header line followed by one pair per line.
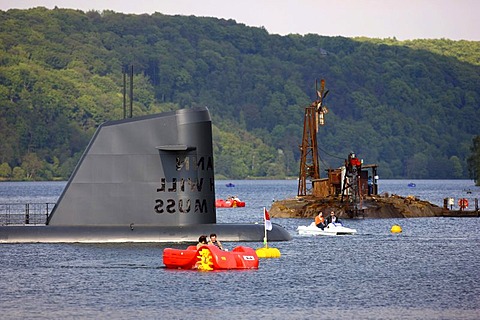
x,y
230,185
229,203
412,185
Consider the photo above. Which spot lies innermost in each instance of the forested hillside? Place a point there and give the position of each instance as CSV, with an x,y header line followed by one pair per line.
x,y
410,106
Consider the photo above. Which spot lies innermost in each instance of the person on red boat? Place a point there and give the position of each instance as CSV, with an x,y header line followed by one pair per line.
x,y
202,241
320,221
215,241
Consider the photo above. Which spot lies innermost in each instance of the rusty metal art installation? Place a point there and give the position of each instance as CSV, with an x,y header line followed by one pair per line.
x,y
309,161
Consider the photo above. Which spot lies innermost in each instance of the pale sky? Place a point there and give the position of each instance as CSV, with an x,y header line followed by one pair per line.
x,y
402,19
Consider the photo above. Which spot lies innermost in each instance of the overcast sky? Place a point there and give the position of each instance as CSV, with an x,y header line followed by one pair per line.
x,y
402,19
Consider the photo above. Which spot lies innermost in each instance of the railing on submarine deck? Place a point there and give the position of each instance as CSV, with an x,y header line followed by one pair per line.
x,y
25,213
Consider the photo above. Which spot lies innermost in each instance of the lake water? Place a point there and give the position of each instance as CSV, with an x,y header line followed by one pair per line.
x,y
429,271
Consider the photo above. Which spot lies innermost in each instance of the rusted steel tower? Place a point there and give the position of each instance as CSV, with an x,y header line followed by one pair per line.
x,y
309,161
352,181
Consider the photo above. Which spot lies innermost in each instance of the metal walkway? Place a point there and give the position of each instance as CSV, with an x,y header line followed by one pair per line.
x,y
25,213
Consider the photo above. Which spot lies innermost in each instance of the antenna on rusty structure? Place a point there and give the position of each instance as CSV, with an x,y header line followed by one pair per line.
x,y
351,189
309,161
125,70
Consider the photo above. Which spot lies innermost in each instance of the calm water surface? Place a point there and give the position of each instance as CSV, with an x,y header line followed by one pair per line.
x,y
429,271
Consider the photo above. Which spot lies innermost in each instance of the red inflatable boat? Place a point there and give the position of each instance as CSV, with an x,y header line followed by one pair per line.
x,y
210,257
220,203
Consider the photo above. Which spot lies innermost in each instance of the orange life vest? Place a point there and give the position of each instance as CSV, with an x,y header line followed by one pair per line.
x,y
319,220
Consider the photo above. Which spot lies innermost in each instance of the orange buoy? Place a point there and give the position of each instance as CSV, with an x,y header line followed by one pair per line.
x,y
463,203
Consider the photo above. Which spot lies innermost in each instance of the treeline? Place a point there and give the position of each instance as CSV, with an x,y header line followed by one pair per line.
x,y
410,106
474,161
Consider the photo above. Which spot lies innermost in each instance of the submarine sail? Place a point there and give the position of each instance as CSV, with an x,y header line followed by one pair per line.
x,y
148,179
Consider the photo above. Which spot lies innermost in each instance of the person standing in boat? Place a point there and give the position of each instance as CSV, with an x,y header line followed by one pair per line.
x,y
320,221
202,241
215,241
332,218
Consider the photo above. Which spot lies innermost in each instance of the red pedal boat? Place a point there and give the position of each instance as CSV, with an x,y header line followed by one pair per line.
x,y
220,203
210,257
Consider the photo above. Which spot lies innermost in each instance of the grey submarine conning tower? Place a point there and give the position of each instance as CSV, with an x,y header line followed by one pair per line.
x,y
143,179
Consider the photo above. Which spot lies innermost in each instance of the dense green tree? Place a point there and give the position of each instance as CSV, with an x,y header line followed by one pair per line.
x,y
5,171
474,160
31,165
410,106
18,174
455,167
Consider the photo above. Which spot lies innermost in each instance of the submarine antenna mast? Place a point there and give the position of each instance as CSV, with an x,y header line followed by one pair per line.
x,y
309,161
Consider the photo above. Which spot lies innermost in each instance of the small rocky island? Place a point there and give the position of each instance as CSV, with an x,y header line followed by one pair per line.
x,y
375,206
351,190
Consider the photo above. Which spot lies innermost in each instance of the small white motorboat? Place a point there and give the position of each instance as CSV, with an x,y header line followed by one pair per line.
x,y
333,229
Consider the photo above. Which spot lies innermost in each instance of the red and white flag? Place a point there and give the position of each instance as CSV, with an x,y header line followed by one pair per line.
x,y
266,216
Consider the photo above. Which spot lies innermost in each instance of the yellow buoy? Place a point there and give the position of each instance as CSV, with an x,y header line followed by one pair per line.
x,y
268,253
396,228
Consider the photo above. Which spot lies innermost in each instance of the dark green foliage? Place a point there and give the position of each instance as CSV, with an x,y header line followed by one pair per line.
x,y
410,106
474,161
